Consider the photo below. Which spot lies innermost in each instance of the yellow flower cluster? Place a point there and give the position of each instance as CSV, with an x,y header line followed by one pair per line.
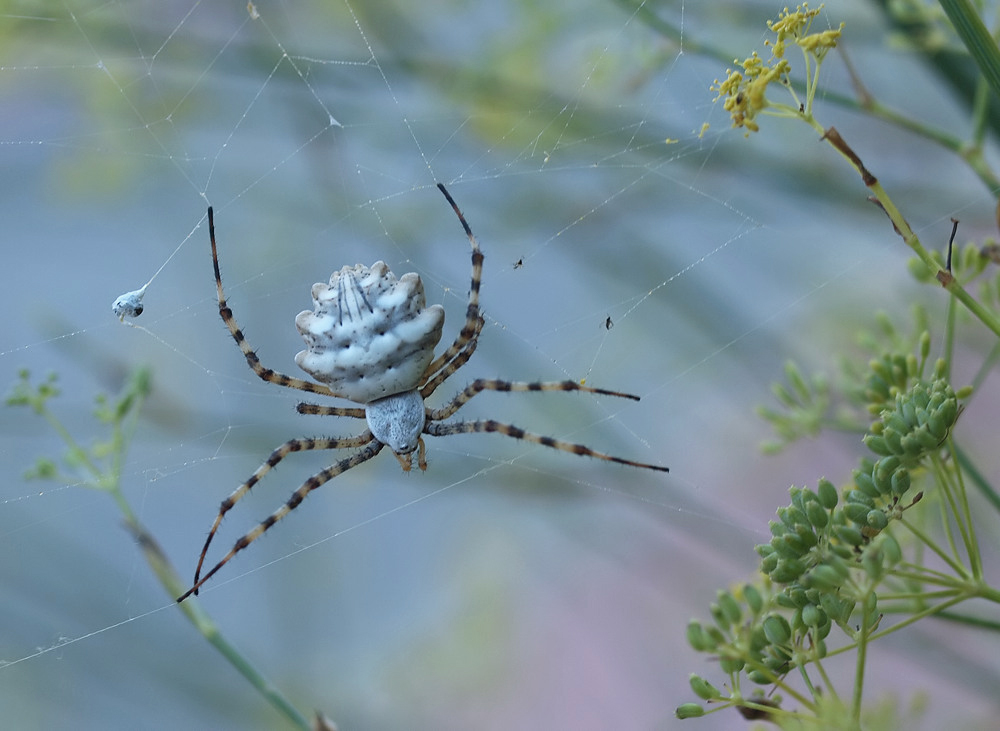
x,y
744,90
795,26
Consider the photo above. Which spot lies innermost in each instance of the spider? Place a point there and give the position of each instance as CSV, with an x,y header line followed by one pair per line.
x,y
370,339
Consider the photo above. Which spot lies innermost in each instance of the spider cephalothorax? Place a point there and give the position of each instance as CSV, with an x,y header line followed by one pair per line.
x,y
370,339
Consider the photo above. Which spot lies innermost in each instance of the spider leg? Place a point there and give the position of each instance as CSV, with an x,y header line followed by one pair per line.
x,y
452,365
317,410
483,384
289,447
468,427
472,317
267,374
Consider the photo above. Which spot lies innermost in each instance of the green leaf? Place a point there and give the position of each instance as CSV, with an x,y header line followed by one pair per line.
x,y
977,39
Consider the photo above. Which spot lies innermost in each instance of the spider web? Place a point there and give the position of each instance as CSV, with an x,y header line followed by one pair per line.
x,y
626,246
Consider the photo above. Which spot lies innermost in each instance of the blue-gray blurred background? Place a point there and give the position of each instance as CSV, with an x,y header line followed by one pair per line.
x,y
509,586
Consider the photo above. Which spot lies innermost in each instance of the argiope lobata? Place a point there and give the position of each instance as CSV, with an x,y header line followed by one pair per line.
x,y
370,339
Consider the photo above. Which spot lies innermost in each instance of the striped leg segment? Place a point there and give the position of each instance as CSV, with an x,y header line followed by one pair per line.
x,y
317,410
266,374
289,447
509,430
483,384
473,323
454,364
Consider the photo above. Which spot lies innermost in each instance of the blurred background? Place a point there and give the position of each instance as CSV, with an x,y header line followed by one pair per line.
x,y
508,586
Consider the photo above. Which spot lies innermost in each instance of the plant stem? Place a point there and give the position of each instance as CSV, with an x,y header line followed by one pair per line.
x,y
859,664
123,420
926,540
174,586
905,232
969,468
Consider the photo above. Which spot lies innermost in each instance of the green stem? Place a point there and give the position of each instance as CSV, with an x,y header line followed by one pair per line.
x,y
75,449
965,619
175,586
779,682
965,517
969,468
951,512
985,368
909,597
902,624
983,314
903,229
914,618
948,351
807,681
828,685
859,663
123,418
927,541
